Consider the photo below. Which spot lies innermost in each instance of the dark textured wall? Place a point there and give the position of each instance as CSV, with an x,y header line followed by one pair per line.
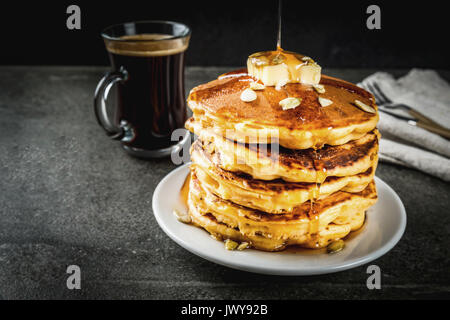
x,y
225,32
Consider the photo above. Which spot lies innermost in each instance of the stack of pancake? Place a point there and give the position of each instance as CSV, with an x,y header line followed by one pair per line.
x,y
271,178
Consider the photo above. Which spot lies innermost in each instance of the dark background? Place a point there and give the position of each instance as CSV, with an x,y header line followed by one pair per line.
x,y
224,33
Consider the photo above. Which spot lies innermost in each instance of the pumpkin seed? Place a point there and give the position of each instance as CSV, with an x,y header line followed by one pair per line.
x,y
290,103
364,107
319,88
256,86
182,217
248,95
230,244
260,61
243,246
325,102
279,58
336,246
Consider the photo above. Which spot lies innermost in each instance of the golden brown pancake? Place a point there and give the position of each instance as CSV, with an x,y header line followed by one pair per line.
x,y
275,196
311,226
217,105
307,165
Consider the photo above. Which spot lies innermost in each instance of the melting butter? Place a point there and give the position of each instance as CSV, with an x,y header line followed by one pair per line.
x,y
276,68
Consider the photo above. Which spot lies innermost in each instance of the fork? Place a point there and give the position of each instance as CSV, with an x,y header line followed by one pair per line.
x,y
419,120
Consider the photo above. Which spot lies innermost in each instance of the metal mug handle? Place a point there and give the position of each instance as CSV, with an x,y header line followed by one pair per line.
x,y
124,131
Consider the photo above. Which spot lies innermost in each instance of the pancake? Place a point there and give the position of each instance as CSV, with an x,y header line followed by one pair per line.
x,y
277,197
306,165
217,105
311,226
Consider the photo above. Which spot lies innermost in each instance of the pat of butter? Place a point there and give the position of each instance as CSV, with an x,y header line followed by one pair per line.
x,y
269,75
276,68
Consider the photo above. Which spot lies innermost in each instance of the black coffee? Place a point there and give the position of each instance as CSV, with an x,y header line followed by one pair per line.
x,y
152,99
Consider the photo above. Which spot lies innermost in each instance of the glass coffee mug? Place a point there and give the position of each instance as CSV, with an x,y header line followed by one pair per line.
x,y
147,61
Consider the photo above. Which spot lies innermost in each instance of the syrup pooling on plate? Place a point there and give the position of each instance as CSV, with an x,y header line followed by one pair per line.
x,y
184,191
182,213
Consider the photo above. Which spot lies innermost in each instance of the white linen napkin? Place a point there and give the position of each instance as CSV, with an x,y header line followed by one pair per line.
x,y
405,144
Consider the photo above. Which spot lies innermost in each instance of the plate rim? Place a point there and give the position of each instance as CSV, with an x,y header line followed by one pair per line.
x,y
352,263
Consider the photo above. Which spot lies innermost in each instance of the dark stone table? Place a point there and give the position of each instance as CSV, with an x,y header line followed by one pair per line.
x,y
69,195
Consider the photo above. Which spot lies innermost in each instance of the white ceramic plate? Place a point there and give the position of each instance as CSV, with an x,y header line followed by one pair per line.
x,y
385,224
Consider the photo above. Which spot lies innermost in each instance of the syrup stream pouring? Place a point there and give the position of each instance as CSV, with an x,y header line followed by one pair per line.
x,y
279,25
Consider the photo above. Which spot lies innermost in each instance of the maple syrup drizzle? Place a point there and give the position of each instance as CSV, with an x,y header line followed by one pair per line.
x,y
279,26
279,49
313,215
